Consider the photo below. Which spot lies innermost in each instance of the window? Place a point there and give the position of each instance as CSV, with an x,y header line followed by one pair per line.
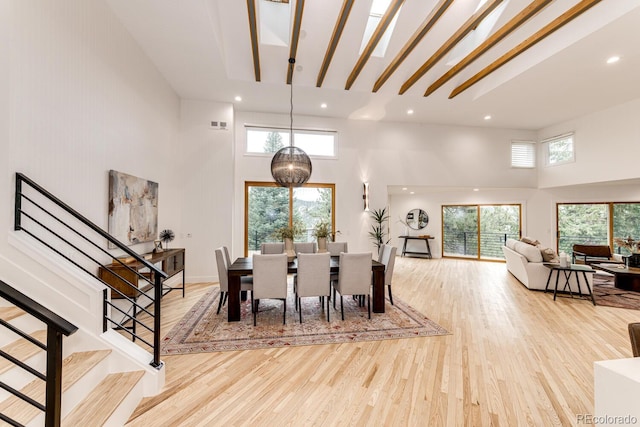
x,y
269,207
479,231
377,11
523,154
315,143
559,149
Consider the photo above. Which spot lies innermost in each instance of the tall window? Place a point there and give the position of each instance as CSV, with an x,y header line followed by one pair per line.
x,y
269,207
597,224
479,231
315,143
559,149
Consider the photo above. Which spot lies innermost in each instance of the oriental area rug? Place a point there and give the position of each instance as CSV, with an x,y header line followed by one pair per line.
x,y
607,294
201,330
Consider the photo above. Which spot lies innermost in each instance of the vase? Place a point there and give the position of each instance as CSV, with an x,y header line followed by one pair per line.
x,y
322,244
288,249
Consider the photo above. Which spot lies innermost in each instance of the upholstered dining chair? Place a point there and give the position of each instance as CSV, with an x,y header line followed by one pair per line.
x,y
304,248
272,248
312,279
634,336
354,277
246,283
334,248
388,259
269,281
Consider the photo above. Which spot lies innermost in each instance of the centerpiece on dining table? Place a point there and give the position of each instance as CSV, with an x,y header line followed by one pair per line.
x,y
287,233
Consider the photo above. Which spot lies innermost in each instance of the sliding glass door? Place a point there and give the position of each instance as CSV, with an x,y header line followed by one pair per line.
x,y
269,207
478,231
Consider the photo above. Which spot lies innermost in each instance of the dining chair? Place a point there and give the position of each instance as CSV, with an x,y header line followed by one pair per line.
x,y
634,336
354,277
388,259
312,279
272,248
305,247
246,283
334,248
269,281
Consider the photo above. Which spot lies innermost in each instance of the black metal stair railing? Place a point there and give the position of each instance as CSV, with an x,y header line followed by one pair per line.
x,y
57,327
82,243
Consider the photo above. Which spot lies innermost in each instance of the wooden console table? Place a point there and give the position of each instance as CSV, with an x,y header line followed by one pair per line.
x,y
172,263
426,240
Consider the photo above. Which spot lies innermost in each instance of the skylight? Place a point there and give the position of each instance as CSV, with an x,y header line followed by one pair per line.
x,y
275,20
378,9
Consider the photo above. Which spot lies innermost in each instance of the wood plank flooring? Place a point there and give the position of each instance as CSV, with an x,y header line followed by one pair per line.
x,y
514,357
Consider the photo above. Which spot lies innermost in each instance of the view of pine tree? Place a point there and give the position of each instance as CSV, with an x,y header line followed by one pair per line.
x,y
273,142
626,223
586,223
460,224
497,224
268,211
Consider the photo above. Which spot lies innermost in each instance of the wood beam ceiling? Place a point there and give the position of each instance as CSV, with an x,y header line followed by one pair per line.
x,y
554,25
295,36
253,31
468,26
426,26
335,38
525,14
392,10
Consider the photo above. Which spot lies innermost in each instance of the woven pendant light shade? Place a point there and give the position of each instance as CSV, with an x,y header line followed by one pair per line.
x,y
291,167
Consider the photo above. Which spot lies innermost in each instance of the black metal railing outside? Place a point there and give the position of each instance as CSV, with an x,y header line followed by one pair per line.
x,y
73,237
57,327
465,243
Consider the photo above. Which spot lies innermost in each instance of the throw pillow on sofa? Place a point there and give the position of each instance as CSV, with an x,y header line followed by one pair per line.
x,y
549,255
531,253
530,241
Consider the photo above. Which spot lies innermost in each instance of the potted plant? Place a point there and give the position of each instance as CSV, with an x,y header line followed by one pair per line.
x,y
287,234
322,232
379,231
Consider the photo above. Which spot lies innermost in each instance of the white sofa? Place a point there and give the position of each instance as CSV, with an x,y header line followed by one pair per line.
x,y
525,262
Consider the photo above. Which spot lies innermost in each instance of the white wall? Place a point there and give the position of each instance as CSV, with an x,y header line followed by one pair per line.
x,y
82,98
386,154
606,147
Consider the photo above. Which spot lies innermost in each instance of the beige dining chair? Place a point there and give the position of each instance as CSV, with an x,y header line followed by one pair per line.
x,y
634,336
269,281
334,248
312,279
246,283
272,248
304,248
388,258
354,278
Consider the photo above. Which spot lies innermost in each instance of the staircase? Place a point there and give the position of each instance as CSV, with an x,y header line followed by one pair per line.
x,y
94,392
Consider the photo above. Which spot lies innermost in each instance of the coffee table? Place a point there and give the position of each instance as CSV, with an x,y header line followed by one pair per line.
x,y
627,278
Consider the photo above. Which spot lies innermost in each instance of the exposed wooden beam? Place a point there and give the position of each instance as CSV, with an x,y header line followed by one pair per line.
x,y
335,38
295,35
253,30
522,17
392,10
557,23
426,26
467,27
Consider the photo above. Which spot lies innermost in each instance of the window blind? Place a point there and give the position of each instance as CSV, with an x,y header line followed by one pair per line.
x,y
523,154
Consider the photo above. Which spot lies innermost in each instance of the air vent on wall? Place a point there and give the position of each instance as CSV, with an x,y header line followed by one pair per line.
x,y
215,125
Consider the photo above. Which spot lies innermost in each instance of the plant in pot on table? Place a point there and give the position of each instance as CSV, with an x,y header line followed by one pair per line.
x,y
633,246
322,232
287,234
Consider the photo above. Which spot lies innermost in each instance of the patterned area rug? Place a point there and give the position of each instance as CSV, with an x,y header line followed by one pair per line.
x,y
609,295
202,330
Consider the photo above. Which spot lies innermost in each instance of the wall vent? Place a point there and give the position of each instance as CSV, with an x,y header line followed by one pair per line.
x,y
217,125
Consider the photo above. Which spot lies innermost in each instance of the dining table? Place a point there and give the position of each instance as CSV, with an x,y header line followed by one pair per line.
x,y
243,266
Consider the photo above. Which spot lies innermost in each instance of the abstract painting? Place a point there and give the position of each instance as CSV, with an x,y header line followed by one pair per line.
x,y
133,208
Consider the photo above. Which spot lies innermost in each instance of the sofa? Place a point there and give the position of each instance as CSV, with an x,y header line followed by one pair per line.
x,y
525,262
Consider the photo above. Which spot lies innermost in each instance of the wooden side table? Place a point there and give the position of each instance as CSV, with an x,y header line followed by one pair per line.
x,y
568,271
425,239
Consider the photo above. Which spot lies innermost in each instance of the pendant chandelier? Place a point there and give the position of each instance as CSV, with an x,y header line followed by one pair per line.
x,y
291,166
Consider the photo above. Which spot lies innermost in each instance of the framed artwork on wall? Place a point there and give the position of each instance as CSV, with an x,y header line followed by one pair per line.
x,y
133,208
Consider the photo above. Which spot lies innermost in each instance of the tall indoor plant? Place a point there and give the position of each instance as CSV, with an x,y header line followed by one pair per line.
x,y
379,230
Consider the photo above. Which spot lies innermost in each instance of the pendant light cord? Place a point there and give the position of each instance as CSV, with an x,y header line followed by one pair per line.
x,y
292,61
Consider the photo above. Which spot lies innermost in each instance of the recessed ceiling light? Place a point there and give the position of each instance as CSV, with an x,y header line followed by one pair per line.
x,y
487,117
613,59
238,98
476,189
323,105
404,188
409,111
412,192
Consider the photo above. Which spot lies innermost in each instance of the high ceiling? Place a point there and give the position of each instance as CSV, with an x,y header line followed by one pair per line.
x,y
204,49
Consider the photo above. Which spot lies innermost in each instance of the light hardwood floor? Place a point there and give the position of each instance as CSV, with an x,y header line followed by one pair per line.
x,y
514,357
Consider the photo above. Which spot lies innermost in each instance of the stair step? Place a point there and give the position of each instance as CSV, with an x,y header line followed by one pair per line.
x,y
73,368
100,404
22,349
10,313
